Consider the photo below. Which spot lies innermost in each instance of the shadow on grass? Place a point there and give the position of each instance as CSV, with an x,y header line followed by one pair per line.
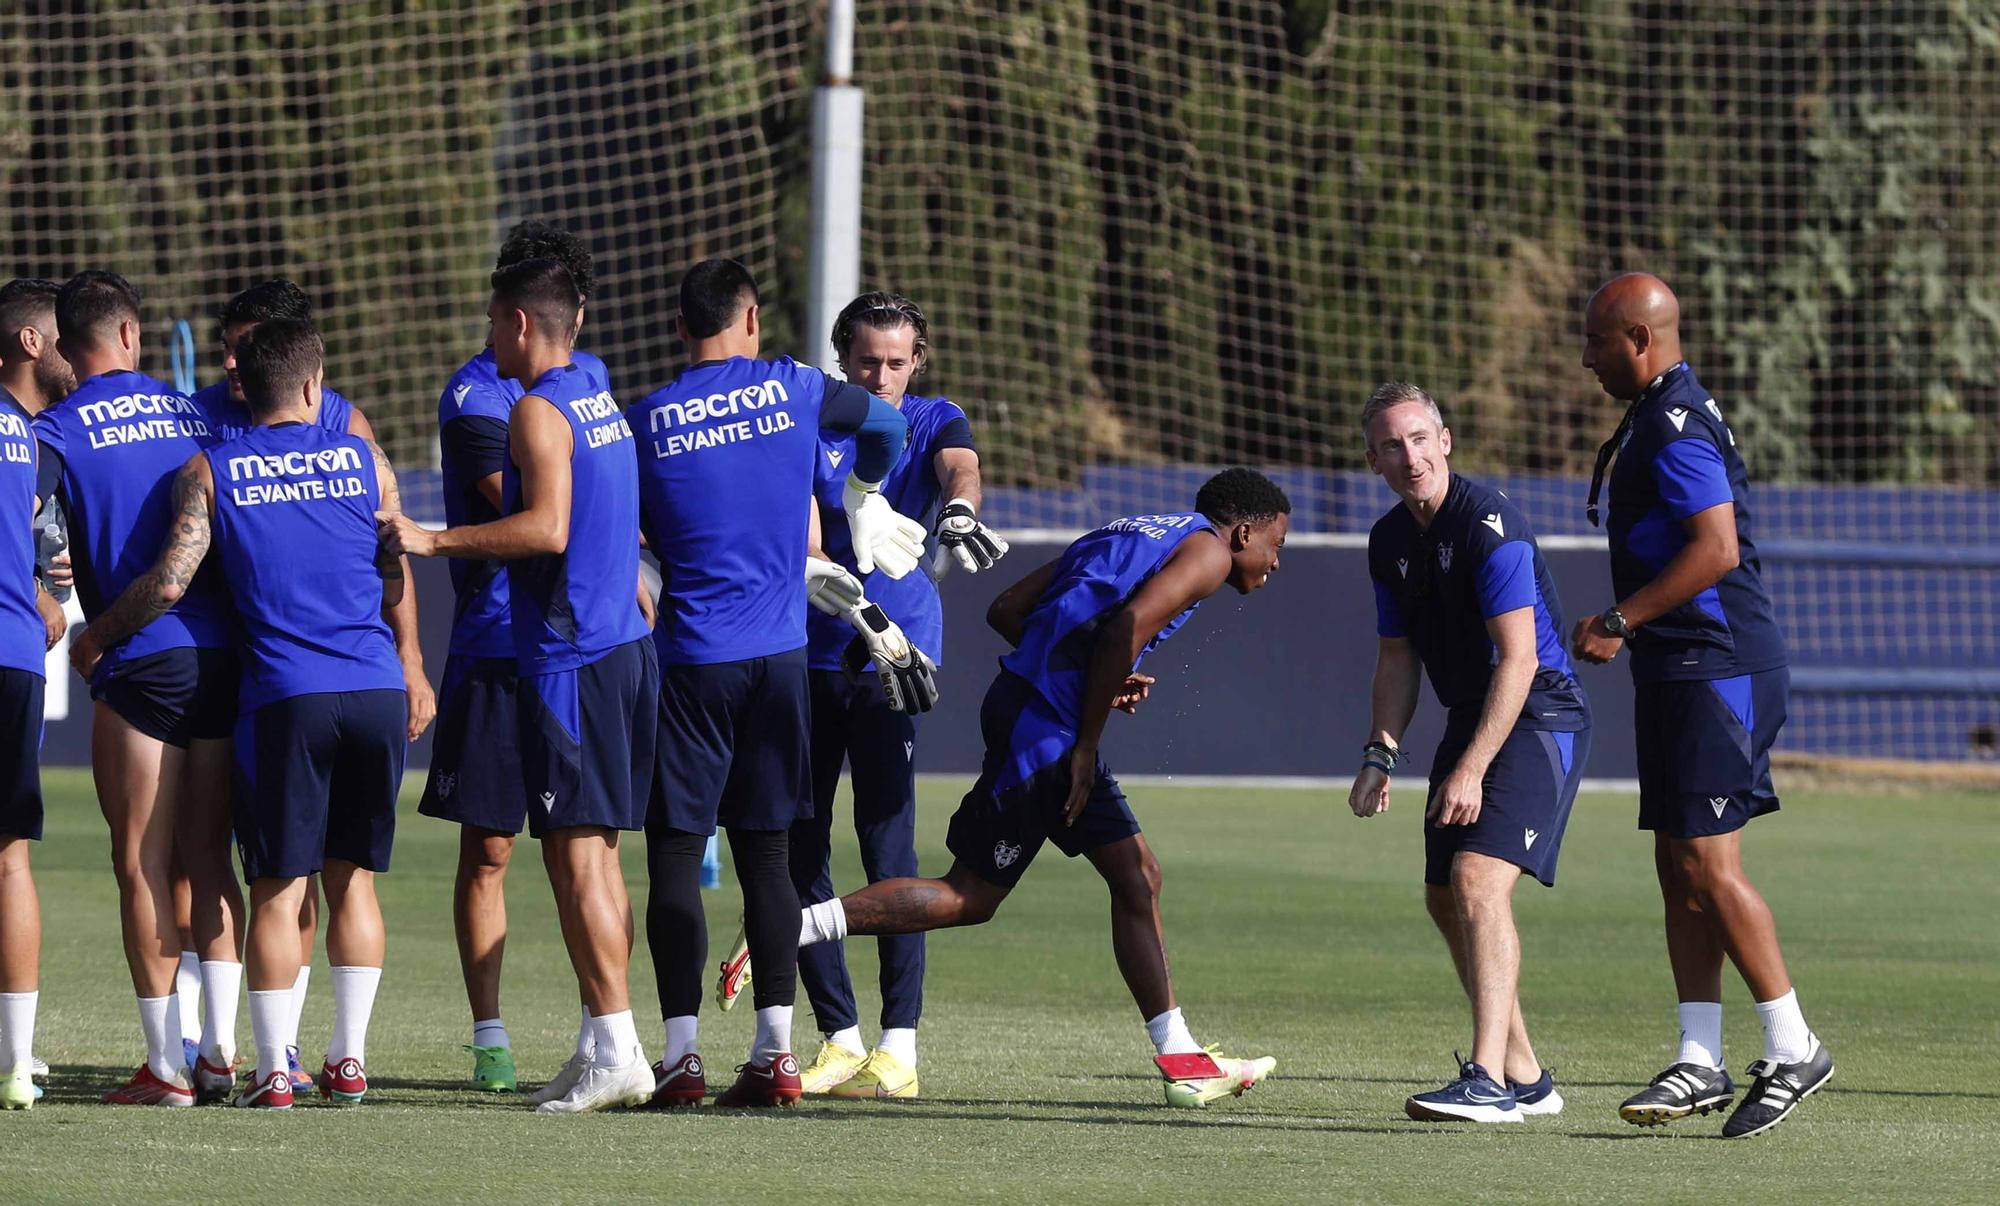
x,y
1564,1082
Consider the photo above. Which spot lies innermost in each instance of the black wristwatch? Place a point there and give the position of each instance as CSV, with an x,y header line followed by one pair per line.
x,y
1614,623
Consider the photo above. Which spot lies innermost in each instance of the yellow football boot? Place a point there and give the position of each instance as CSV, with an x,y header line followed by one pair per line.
x,y
880,1075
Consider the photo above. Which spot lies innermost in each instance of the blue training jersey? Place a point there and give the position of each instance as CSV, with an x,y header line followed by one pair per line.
x,y
228,418
1438,586
22,635
912,488
1093,580
113,448
1679,460
472,433
571,608
303,498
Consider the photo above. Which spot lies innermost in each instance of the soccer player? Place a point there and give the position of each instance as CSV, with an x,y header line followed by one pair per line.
x,y
1461,592
1710,685
726,461
589,680
883,342
475,776
322,729
1080,627
166,698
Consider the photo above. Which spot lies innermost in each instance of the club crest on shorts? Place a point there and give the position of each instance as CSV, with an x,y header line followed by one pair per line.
x,y
447,783
1004,854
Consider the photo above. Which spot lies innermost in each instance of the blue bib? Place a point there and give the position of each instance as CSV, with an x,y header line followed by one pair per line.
x,y
21,630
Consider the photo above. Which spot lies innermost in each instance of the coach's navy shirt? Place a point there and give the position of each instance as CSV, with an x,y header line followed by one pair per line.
x,y
1679,460
1438,586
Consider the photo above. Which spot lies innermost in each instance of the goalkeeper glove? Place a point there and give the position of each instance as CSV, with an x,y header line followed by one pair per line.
x,y
883,539
830,588
960,535
908,678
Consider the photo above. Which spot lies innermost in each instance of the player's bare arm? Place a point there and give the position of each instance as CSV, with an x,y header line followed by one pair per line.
x,y
541,445
1008,613
153,592
1458,801
393,567
958,475
1709,554
1393,701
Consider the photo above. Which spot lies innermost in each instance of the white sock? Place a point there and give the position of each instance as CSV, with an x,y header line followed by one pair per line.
x,y
221,989
900,1042
617,1039
163,1040
586,1038
353,1002
492,1032
1701,1034
1787,1038
849,1040
187,995
774,1033
271,1022
299,999
17,1030
823,922
1170,1035
682,1033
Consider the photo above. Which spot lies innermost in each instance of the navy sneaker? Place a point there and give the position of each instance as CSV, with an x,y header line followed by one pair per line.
x,y
1538,1097
1474,1097
1681,1090
1777,1090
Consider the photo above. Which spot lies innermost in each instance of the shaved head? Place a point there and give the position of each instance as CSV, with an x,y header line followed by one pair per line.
x,y
1631,332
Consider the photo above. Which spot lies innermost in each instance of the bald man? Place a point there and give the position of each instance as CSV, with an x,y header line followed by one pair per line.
x,y
1710,685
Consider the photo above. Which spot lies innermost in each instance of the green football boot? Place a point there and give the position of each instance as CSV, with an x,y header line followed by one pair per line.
x,y
493,1069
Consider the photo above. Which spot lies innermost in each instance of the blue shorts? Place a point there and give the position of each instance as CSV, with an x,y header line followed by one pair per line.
x,y
316,779
176,695
587,741
733,746
476,774
1525,801
1023,785
1704,751
21,765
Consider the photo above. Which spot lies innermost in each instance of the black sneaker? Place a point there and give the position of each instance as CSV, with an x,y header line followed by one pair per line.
x,y
1681,1090
1777,1091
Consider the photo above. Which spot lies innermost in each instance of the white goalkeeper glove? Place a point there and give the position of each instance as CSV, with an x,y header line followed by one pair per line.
x,y
908,678
961,537
883,540
830,588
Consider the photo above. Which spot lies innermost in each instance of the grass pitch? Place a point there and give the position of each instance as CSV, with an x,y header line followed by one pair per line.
x,y
1296,930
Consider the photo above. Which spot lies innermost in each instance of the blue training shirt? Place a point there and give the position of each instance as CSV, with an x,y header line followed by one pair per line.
x,y
912,488
112,449
1438,586
571,608
304,498
1094,578
22,634
726,470
1680,460
228,418
472,434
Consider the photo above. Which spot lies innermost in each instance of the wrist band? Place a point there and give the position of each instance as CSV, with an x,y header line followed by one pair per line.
x,y
1388,753
1378,764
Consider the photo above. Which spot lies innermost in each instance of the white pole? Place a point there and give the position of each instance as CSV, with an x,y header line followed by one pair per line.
x,y
835,275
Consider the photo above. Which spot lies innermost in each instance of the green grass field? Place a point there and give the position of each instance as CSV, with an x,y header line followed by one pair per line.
x,y
1296,930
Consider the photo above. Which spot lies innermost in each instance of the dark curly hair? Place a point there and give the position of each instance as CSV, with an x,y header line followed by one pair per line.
x,y
539,240
264,301
882,311
1236,496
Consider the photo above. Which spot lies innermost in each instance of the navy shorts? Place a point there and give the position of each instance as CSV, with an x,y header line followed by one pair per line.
x,y
21,766
1704,751
175,695
1017,803
733,746
1525,800
316,779
476,774
587,741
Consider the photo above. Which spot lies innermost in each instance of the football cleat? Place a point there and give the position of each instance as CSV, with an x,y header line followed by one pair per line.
x,y
213,1083
41,1069
1238,1076
1538,1097
301,1083
274,1092
493,1069
762,1085
880,1075
833,1065
1776,1090
147,1089
684,1084
563,1082
18,1090
628,1085
735,972
344,1083
1681,1090
190,1054
1474,1097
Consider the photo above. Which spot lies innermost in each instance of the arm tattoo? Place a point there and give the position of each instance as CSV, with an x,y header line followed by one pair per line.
x,y
153,592
388,564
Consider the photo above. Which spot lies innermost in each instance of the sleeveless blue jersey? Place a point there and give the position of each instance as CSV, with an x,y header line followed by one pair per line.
x,y
912,488
295,529
121,438
21,631
477,392
1094,578
228,418
573,607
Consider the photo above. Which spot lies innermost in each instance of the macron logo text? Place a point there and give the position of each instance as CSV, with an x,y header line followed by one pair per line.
x,y
669,415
